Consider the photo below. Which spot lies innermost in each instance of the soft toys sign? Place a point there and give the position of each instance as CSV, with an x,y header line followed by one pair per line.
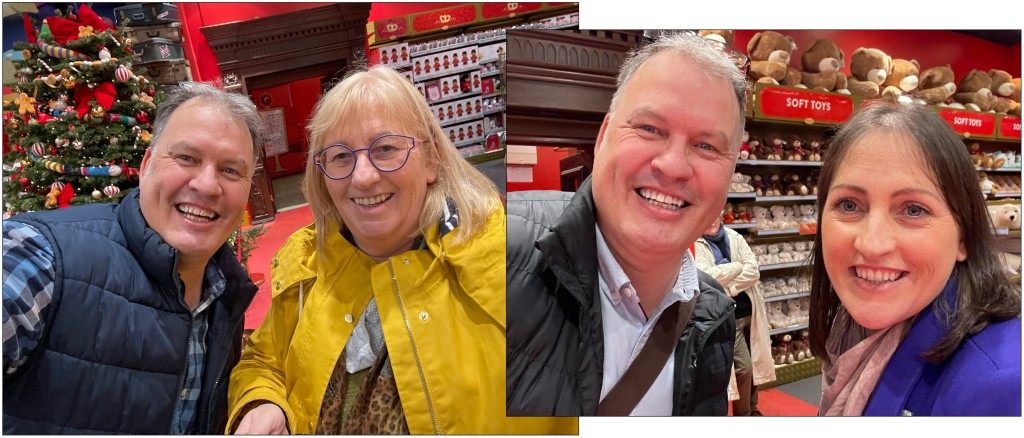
x,y
804,105
968,123
1009,127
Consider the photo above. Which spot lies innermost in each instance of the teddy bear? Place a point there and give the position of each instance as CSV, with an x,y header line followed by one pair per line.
x,y
770,53
775,314
822,62
868,69
760,185
1005,216
902,81
722,36
728,214
791,220
797,150
815,151
986,184
760,217
974,91
1015,102
756,150
1007,183
812,185
976,155
795,187
773,253
799,349
776,144
778,216
1002,89
786,252
743,214
787,347
745,146
776,185
935,85
808,213
737,184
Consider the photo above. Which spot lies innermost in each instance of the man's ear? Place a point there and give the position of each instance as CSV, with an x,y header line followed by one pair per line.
x,y
600,134
145,162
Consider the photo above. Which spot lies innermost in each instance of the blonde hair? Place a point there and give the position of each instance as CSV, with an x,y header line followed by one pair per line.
x,y
379,90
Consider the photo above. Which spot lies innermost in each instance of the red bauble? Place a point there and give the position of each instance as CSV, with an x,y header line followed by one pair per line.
x,y
23,181
151,91
142,117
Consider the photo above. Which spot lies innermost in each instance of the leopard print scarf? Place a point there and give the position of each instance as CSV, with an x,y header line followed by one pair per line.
x,y
374,409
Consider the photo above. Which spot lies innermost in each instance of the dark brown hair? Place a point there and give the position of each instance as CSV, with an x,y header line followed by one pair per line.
x,y
984,290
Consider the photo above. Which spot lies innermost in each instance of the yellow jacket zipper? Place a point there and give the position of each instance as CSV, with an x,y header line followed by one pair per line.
x,y
415,351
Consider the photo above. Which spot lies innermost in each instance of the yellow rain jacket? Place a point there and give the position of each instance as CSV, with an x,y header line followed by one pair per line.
x,y
443,315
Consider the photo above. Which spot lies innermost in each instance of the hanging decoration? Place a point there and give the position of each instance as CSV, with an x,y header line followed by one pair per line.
x,y
110,170
105,95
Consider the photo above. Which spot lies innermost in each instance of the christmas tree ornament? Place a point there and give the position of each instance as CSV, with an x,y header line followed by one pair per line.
x,y
51,198
111,191
145,136
27,54
25,163
26,104
96,194
59,52
120,118
123,74
104,55
23,181
69,82
60,142
142,117
44,64
77,144
58,185
38,149
114,170
98,113
114,140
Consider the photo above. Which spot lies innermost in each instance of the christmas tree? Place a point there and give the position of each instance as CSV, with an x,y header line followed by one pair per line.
x,y
79,124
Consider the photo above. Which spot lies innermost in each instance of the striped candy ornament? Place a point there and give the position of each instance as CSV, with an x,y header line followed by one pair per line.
x,y
111,191
59,52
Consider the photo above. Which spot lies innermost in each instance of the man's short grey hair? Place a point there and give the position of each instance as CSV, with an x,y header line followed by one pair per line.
x,y
705,58
237,107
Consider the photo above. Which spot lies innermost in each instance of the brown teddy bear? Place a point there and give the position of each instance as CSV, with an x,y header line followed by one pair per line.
x,y
902,81
822,62
1002,89
974,91
936,85
770,53
723,36
1015,99
796,186
868,68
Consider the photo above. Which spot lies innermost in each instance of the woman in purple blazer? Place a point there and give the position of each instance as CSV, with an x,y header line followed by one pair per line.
x,y
912,312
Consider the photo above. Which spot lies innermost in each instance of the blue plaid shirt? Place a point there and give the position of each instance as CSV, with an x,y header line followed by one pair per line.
x,y
28,277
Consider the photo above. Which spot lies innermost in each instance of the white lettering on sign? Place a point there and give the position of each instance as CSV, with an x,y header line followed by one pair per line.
x,y
967,121
1016,126
807,103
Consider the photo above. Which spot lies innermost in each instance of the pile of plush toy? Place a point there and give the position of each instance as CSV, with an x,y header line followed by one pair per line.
x,y
781,252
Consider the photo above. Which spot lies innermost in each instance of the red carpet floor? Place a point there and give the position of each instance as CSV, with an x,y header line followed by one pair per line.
x,y
771,402
277,232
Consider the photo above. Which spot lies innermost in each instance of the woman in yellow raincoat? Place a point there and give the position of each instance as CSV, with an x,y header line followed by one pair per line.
x,y
388,313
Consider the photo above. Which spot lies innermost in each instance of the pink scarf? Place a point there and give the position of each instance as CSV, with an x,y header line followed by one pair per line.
x,y
856,362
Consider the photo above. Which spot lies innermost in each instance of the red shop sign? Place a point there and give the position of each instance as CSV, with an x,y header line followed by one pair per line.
x,y
790,103
510,9
390,28
444,18
1009,127
970,123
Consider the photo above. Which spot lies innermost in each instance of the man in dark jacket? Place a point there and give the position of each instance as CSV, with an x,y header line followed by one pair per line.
x,y
589,274
128,318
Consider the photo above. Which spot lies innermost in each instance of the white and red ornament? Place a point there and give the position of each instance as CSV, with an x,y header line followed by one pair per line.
x,y
111,191
115,170
38,149
57,185
123,74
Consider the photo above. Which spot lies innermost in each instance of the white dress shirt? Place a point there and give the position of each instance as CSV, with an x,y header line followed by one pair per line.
x,y
626,328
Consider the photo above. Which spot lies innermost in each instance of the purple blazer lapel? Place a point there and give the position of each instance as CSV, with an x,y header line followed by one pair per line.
x,y
903,373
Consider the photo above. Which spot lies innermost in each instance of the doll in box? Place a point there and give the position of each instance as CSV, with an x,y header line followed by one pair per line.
x,y
405,53
427,67
479,129
472,56
462,134
394,56
469,132
451,135
458,109
465,58
451,112
440,114
446,64
437,64
418,68
455,60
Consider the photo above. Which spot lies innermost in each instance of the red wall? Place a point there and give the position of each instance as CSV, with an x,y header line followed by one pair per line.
x,y
546,174
929,47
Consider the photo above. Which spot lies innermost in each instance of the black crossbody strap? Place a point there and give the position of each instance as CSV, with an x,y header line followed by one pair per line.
x,y
640,374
